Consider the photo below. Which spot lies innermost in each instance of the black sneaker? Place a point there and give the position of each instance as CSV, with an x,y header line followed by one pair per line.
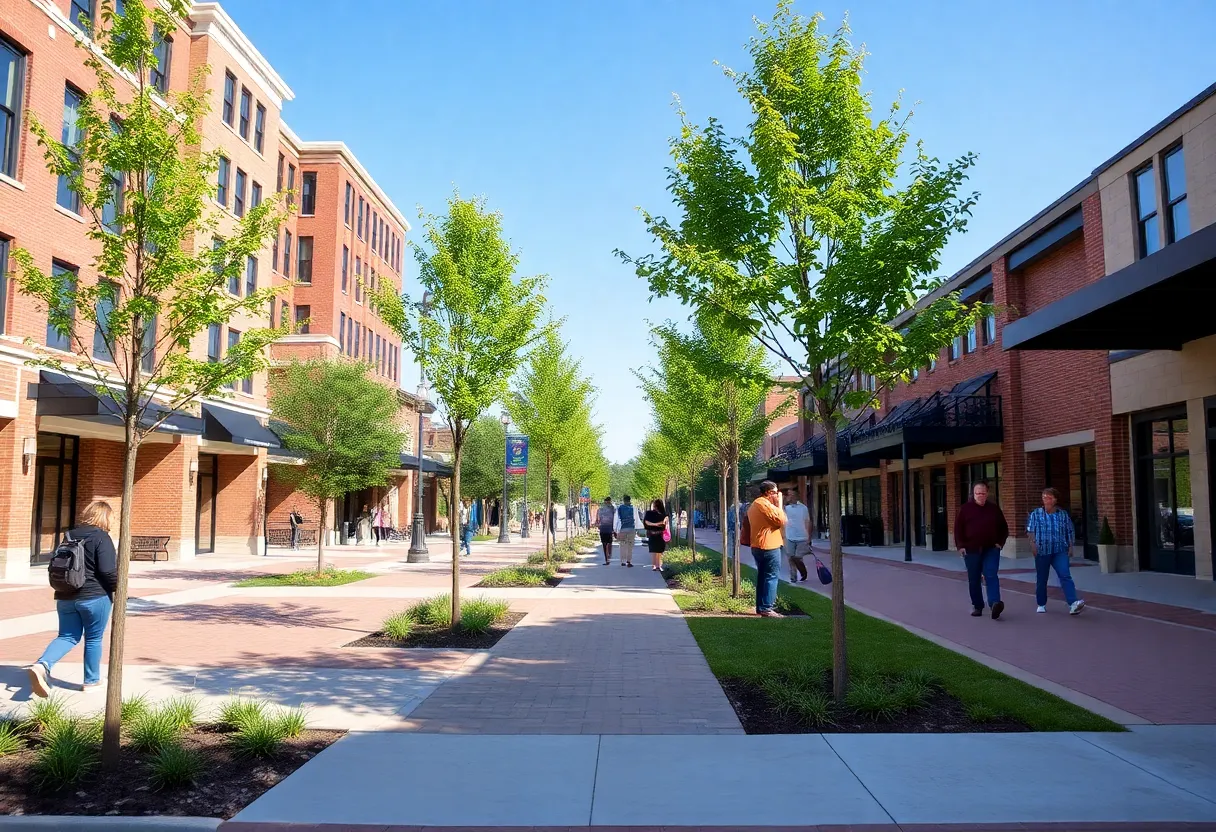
x,y
977,612
997,609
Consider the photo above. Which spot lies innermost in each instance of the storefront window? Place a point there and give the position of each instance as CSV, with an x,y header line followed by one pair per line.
x,y
1166,505
974,472
54,493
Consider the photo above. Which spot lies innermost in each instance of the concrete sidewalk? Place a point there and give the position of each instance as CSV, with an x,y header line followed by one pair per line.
x,y
1152,774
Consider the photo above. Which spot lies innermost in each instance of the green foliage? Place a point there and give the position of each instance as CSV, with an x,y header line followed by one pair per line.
x,y
133,707
329,576
174,766
155,729
259,736
800,694
517,576
398,625
1106,537
68,752
12,738
982,714
293,722
240,711
435,611
182,710
483,460
478,615
620,478
47,712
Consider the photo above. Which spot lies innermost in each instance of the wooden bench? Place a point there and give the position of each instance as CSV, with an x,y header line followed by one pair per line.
x,y
149,547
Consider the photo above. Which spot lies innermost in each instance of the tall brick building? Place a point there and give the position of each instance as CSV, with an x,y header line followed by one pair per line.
x,y
1106,392
202,480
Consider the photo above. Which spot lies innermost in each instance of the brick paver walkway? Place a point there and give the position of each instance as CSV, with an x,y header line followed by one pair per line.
x,y
583,663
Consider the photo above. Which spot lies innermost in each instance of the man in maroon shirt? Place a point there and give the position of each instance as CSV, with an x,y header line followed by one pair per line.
x,y
980,531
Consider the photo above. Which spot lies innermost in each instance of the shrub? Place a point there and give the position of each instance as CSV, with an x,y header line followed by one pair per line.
x,y
259,737
875,699
1106,537
398,626
240,711
155,730
69,752
174,766
518,576
12,739
183,711
45,713
913,693
477,615
435,611
134,707
982,714
292,722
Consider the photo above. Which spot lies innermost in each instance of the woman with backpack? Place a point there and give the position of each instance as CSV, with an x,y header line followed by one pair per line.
x,y
84,573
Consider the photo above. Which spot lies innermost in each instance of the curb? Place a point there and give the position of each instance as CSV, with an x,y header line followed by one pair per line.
x,y
108,823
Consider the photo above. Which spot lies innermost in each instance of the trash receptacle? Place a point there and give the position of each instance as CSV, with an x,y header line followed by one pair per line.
x,y
345,533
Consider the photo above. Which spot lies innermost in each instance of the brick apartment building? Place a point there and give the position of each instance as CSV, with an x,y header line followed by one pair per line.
x,y
1084,379
202,480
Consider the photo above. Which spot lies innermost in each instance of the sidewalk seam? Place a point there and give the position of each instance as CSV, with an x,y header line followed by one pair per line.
x,y
861,782
1112,753
595,777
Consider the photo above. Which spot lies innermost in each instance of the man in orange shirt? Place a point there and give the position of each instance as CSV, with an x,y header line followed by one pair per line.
x,y
767,519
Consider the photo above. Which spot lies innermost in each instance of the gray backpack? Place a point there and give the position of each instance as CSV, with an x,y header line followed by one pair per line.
x,y
66,569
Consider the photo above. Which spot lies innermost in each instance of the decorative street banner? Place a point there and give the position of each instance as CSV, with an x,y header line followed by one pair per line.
x,y
517,454
585,495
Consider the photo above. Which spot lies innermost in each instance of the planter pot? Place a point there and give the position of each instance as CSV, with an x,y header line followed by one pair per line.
x,y
1112,558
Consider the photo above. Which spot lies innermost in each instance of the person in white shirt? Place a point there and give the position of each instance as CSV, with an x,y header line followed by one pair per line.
x,y
797,535
625,525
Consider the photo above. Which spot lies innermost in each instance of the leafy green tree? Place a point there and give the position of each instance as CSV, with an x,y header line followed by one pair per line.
x,y
485,456
144,190
548,396
580,462
811,233
620,477
343,426
471,335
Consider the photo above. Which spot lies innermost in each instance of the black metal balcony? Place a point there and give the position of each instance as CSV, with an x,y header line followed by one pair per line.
x,y
940,422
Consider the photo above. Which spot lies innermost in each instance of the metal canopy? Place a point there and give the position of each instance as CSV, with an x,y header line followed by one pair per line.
x,y
61,395
940,422
1157,303
224,425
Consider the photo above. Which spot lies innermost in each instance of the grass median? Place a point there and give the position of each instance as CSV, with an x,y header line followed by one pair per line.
x,y
754,649
309,577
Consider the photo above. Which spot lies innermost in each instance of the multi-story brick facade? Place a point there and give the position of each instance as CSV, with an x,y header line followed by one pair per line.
x,y
202,487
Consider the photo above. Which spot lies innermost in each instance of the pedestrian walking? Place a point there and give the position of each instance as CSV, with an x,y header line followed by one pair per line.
x,y
797,536
83,599
1051,537
980,531
380,523
296,520
766,522
466,527
625,529
553,522
605,518
363,525
658,532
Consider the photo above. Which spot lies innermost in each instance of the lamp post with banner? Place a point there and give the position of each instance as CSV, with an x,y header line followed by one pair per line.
x,y
418,552
517,463
504,512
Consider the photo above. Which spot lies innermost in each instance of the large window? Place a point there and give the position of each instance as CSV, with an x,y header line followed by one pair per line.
x,y
234,338
71,137
246,106
286,254
1178,217
81,12
113,206
158,73
358,280
972,343
12,82
989,323
291,184
345,265
65,277
213,343
251,274
303,312
342,332
1167,510
255,195
221,190
259,129
304,272
278,182
105,306
308,193
349,206
359,225
375,226
956,348
238,197
1146,210
147,361
3,284
230,98
974,472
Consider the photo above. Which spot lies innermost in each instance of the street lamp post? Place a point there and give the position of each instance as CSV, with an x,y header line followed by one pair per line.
x,y
418,552
504,534
527,518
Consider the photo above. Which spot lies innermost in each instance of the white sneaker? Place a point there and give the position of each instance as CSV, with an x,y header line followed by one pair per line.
x,y
40,679
1041,609
1077,607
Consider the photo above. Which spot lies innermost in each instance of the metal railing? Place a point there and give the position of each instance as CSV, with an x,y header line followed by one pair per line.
x,y
942,410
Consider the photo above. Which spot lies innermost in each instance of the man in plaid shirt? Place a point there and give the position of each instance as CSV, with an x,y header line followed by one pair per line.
x,y
1051,538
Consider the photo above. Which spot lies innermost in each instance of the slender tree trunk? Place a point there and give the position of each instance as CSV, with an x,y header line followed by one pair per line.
x,y
548,503
738,541
458,441
112,729
840,659
723,475
322,511
692,515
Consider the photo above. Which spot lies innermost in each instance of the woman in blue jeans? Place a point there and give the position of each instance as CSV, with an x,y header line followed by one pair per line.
x,y
85,611
1051,537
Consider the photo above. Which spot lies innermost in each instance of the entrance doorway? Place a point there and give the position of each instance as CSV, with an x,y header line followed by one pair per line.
x,y
937,508
54,493
204,511
1163,493
918,507
1073,471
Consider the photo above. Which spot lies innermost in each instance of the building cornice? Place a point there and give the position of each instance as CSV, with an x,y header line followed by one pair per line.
x,y
210,20
344,154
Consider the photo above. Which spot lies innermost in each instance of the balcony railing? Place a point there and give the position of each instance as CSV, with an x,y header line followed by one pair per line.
x,y
941,411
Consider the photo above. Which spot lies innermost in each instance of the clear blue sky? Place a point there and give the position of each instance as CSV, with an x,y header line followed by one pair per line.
x,y
559,113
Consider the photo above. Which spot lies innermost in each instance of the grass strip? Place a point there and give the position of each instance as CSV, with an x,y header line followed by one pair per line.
x,y
309,577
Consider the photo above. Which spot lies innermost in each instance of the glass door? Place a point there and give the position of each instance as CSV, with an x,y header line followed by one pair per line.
x,y
1163,494
204,513
937,505
54,493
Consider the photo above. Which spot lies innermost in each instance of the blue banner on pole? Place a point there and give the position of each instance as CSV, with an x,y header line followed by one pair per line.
x,y
517,454
585,495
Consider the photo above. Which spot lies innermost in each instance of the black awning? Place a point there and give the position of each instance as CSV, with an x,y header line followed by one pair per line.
x,y
1157,303
974,386
61,395
409,462
223,425
941,422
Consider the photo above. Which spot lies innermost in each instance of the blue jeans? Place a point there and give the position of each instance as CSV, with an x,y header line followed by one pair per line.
x,y
1043,564
76,618
466,538
983,563
768,565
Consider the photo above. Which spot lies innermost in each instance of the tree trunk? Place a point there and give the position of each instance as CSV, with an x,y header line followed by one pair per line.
x,y
723,474
548,503
322,512
692,517
112,729
455,527
734,501
840,659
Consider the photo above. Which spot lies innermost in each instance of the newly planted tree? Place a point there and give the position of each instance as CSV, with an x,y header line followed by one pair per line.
x,y
471,336
131,166
812,231
342,424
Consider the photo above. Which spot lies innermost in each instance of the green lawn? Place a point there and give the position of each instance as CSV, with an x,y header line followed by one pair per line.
x,y
750,648
309,577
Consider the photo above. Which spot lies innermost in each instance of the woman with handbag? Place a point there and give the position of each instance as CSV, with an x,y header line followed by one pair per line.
x,y
658,533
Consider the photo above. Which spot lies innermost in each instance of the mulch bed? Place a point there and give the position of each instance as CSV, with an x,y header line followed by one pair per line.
x,y
943,714
442,637
227,784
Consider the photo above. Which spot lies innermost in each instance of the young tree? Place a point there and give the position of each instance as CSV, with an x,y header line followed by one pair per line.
x,y
485,456
471,336
811,234
343,425
549,395
144,189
